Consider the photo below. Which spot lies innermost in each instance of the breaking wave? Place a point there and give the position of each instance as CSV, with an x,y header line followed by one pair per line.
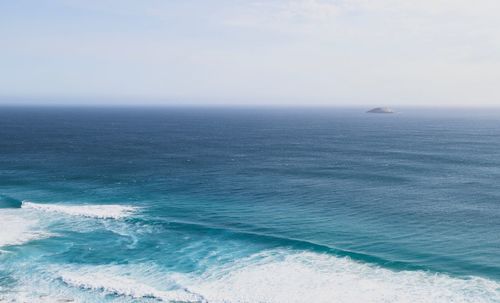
x,y
9,202
110,282
17,230
282,276
110,211
279,276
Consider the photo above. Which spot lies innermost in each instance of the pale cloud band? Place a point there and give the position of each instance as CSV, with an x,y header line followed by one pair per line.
x,y
342,52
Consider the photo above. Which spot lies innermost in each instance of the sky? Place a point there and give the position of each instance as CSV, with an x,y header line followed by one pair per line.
x,y
253,52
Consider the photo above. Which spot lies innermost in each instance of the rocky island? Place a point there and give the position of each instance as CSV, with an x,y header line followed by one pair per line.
x,y
381,110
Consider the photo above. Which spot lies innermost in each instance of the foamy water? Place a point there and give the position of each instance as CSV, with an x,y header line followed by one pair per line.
x,y
281,276
272,276
16,229
90,211
19,226
104,281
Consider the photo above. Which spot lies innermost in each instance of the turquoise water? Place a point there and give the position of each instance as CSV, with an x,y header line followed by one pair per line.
x,y
249,205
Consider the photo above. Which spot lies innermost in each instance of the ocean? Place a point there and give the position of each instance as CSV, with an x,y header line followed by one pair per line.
x,y
180,204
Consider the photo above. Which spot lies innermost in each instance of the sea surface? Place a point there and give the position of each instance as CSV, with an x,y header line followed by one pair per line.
x,y
249,205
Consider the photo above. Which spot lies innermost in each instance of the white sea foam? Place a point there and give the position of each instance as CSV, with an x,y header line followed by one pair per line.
x,y
33,286
280,276
110,281
109,211
28,297
16,229
272,276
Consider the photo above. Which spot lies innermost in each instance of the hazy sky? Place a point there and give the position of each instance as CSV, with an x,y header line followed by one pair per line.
x,y
332,52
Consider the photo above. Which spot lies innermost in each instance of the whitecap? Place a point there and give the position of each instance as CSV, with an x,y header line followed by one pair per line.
x,y
110,281
23,297
17,230
282,276
109,211
273,276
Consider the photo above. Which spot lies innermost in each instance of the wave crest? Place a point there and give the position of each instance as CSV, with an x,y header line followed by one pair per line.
x,y
112,283
283,276
110,211
9,202
272,276
16,230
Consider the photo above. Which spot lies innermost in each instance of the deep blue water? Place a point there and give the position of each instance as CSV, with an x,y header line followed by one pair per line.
x,y
249,205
